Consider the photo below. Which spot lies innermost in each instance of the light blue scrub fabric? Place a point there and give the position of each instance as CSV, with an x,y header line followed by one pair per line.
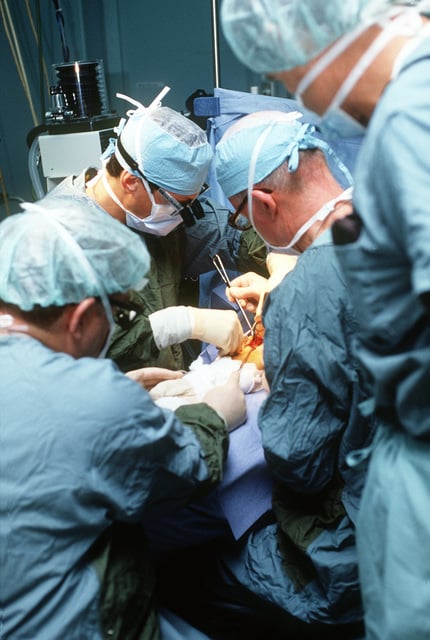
x,y
388,268
81,446
227,106
309,423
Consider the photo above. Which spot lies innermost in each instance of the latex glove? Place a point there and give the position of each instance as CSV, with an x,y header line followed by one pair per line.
x,y
179,388
279,264
217,326
170,326
148,377
247,289
229,401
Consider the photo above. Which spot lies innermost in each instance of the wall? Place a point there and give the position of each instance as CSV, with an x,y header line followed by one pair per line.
x,y
144,45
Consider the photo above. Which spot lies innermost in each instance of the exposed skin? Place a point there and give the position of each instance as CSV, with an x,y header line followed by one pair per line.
x,y
80,330
270,210
363,98
132,194
149,377
278,216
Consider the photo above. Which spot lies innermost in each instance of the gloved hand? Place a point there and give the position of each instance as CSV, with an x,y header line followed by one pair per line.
x,y
217,326
179,388
170,326
229,401
280,262
148,377
247,289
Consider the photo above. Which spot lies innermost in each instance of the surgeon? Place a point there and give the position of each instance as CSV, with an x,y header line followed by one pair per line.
x,y
303,564
367,64
150,182
86,457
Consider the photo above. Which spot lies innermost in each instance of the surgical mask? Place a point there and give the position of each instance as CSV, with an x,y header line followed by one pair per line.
x,y
293,165
336,122
162,219
109,316
319,216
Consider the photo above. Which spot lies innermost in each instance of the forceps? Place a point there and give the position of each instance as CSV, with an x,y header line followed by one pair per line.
x,y
218,264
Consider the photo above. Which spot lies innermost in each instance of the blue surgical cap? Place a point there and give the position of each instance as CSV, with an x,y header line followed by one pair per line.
x,y
281,139
57,252
170,150
277,35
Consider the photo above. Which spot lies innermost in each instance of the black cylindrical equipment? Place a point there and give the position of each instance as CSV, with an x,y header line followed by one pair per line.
x,y
81,86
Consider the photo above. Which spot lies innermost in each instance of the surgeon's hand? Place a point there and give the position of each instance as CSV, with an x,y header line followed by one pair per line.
x,y
279,264
247,289
217,326
229,401
148,377
179,388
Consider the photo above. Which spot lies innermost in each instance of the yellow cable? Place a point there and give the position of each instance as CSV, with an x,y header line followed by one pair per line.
x,y
4,192
39,44
20,63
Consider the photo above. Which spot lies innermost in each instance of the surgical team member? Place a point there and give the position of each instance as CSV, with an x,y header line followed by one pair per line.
x,y
155,172
274,171
368,64
86,457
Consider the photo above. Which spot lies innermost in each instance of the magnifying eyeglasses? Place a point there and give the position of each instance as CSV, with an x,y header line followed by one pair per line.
x,y
189,211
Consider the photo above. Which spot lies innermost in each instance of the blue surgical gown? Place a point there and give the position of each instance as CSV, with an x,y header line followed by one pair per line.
x,y
388,269
82,446
306,562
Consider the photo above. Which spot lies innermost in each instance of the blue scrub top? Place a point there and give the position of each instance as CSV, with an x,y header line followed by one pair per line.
x,y
81,446
388,267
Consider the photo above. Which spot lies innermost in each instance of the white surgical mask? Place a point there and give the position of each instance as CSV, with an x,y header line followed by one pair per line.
x,y
109,316
162,219
336,122
319,216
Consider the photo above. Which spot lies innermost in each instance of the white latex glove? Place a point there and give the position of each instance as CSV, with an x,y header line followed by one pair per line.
x,y
279,264
179,388
217,326
229,401
247,289
148,377
170,326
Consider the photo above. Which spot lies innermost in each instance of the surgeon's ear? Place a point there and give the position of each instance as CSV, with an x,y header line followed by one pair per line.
x,y
264,202
81,316
129,182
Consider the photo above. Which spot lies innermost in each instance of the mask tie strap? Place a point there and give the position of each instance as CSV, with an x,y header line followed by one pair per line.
x,y
337,48
403,24
252,166
320,215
